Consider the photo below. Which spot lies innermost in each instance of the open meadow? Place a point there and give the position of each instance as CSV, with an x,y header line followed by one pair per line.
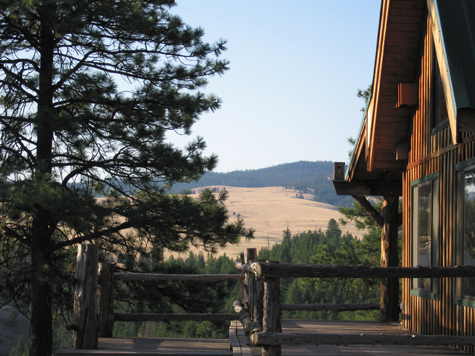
x,y
270,210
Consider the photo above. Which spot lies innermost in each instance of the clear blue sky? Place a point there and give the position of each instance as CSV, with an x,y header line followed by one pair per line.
x,y
290,93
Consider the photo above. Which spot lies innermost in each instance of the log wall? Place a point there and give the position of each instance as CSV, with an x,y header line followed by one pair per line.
x,y
429,153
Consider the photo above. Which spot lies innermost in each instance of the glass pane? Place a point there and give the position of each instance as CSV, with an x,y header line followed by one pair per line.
x,y
424,212
469,230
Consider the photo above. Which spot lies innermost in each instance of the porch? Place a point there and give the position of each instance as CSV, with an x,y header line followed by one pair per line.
x,y
238,344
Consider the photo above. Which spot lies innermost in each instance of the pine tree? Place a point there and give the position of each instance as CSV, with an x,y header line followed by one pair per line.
x,y
88,91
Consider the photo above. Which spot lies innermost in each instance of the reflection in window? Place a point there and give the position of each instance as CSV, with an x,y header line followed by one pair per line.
x,y
466,229
425,230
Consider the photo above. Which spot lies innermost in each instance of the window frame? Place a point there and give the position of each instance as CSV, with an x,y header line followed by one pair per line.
x,y
434,181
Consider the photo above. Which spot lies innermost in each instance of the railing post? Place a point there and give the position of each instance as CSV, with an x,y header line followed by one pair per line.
x,y
250,255
272,313
105,304
244,285
389,258
85,298
258,309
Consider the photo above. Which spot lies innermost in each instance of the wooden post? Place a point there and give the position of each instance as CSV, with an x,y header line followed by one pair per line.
x,y
389,258
85,295
250,254
244,294
271,318
258,309
105,301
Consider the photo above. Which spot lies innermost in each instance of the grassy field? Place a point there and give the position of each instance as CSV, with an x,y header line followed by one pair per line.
x,y
270,210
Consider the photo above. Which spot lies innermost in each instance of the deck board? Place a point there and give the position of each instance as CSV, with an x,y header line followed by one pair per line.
x,y
354,327
139,346
215,347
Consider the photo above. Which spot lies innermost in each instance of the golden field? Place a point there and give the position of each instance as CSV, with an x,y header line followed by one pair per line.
x,y
270,210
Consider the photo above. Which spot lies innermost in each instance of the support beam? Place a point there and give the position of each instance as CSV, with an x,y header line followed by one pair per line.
x,y
389,258
368,188
370,210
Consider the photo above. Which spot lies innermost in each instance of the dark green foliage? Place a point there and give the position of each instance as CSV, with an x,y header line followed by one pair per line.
x,y
21,348
12,317
365,95
208,297
328,247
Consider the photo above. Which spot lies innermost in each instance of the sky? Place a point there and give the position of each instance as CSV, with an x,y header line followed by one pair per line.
x,y
295,68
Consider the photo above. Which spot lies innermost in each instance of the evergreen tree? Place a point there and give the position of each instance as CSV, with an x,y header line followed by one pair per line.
x,y
20,349
88,90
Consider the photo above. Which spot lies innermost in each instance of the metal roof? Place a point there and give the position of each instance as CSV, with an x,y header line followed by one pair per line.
x,y
457,24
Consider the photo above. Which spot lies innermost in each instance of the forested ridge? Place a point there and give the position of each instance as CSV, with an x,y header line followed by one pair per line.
x,y
307,177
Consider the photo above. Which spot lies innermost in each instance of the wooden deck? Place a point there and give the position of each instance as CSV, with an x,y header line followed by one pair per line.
x,y
237,343
353,327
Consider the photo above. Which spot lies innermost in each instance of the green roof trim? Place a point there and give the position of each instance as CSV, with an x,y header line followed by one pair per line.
x,y
457,25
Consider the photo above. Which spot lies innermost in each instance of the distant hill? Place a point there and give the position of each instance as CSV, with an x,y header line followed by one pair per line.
x,y
307,177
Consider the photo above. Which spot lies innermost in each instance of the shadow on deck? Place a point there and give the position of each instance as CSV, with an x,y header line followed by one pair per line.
x,y
238,343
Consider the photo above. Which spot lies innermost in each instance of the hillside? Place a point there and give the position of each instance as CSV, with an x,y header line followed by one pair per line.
x,y
312,178
270,210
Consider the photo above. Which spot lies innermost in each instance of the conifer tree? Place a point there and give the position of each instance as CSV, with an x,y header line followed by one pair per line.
x,y
88,91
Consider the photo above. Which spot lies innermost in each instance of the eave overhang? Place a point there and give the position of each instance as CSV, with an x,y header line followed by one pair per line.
x,y
375,168
396,62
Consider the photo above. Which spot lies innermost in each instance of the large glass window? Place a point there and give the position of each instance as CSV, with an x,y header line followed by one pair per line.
x,y
465,230
425,230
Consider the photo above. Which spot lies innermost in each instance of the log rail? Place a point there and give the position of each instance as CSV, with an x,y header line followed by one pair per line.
x,y
260,310
271,337
93,314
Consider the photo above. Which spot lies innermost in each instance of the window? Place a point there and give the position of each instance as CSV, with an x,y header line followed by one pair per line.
x,y
465,231
425,231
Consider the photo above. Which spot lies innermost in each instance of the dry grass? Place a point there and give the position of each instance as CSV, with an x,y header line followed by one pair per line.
x,y
270,210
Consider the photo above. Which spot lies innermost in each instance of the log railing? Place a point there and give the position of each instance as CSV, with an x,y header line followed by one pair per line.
x,y
265,275
260,310
93,314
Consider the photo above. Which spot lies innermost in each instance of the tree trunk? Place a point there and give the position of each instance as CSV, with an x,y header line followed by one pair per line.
x,y
389,258
41,335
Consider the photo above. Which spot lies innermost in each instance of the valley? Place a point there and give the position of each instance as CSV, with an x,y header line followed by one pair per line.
x,y
270,210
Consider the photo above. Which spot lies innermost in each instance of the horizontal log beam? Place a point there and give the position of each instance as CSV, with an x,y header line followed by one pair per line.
x,y
173,317
174,277
391,189
263,338
335,307
291,270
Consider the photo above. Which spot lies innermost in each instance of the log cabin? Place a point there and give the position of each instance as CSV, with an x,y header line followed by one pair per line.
x,y
417,142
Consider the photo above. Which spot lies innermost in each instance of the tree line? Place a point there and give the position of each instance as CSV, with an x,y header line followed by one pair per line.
x,y
307,177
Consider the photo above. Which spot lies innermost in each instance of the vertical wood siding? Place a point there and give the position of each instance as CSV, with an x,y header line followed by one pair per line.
x,y
424,315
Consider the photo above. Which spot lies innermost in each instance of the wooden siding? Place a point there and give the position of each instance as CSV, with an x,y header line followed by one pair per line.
x,y
431,153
